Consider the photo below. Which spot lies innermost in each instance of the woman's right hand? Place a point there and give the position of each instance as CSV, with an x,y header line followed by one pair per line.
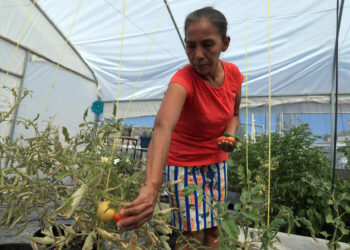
x,y
140,210
226,144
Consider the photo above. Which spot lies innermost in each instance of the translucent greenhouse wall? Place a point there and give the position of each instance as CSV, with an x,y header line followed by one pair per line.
x,y
62,96
37,32
36,56
7,100
302,46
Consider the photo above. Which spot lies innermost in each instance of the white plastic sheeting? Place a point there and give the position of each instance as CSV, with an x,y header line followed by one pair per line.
x,y
31,47
7,100
9,58
65,102
20,22
131,108
302,45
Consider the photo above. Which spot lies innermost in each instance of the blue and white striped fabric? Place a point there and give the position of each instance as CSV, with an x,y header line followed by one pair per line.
x,y
195,214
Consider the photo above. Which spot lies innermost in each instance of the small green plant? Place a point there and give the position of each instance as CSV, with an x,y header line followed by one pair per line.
x,y
338,210
248,218
250,215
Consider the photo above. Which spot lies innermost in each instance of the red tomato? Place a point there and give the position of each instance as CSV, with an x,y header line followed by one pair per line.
x,y
118,216
222,138
231,139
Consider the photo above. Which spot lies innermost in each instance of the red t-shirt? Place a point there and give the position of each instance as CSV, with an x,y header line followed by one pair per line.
x,y
203,118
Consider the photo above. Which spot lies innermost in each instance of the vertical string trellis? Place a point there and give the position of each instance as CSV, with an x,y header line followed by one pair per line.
x,y
139,76
58,63
269,152
53,79
117,134
119,74
145,61
246,89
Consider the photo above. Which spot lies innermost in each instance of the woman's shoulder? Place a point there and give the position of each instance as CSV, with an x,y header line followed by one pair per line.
x,y
185,71
230,66
233,73
185,74
184,77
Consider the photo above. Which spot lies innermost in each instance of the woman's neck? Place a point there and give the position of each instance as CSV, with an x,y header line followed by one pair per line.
x,y
216,77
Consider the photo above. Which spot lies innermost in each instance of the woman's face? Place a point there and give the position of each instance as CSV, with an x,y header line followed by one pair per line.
x,y
204,46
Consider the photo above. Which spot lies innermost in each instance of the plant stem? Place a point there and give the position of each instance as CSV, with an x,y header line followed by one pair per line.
x,y
108,176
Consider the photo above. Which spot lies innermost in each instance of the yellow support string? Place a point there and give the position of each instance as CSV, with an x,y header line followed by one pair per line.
x,y
146,59
59,62
246,88
120,59
119,74
17,46
269,157
139,77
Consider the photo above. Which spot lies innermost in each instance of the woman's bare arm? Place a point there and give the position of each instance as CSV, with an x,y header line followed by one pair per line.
x,y
141,209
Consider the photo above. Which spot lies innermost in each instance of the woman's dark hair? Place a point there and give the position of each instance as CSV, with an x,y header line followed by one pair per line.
x,y
212,15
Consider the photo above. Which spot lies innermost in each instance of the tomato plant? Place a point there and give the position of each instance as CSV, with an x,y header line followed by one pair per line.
x,y
300,177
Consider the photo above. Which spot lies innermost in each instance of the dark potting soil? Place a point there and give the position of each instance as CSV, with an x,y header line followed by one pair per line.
x,y
15,246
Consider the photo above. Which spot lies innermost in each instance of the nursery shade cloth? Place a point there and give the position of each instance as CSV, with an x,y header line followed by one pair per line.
x,y
302,47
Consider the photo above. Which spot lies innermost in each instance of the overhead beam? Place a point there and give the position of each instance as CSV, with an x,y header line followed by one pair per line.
x,y
46,58
174,22
10,73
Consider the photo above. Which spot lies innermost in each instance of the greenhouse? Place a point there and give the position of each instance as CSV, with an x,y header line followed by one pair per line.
x,y
83,81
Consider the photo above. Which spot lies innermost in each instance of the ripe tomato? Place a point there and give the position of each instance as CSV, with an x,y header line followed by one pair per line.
x,y
222,138
118,216
104,213
231,139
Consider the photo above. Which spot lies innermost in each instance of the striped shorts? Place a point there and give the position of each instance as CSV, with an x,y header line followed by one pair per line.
x,y
195,214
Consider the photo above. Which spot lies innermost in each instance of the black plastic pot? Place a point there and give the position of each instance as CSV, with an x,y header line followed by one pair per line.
x,y
144,141
15,246
172,240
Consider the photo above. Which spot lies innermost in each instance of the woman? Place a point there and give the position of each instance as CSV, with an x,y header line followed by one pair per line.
x,y
201,103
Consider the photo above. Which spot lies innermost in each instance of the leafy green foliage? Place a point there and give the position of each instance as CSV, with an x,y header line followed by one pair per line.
x,y
300,180
346,150
248,217
53,174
